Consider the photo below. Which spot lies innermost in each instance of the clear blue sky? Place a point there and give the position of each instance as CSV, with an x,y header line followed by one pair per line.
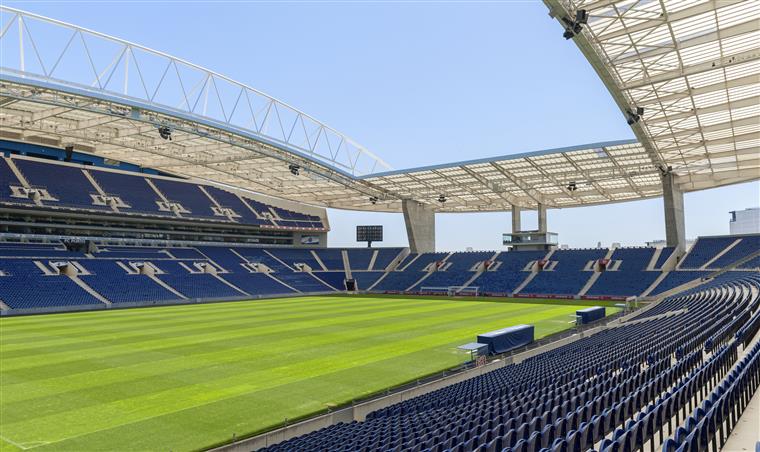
x,y
417,83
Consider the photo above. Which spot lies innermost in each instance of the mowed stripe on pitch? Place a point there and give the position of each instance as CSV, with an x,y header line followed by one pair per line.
x,y
298,344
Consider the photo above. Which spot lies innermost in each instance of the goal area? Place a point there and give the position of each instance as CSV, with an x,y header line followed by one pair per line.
x,y
451,290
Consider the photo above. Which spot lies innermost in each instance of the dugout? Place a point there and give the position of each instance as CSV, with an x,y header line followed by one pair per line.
x,y
589,315
506,339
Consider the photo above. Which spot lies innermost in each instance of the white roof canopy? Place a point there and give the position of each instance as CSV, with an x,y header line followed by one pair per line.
x,y
692,66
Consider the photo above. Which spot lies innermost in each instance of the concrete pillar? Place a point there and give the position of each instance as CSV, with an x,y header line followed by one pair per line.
x,y
516,211
420,226
675,225
542,218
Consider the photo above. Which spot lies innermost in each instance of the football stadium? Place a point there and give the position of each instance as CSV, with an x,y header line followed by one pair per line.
x,y
167,282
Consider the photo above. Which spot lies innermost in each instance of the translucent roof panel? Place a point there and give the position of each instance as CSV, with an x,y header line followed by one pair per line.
x,y
694,67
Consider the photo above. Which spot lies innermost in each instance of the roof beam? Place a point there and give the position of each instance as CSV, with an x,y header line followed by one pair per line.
x,y
726,106
719,63
664,48
491,185
747,80
532,193
706,129
672,17
718,141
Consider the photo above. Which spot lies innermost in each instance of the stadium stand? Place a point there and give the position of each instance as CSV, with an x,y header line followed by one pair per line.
x,y
457,271
619,388
24,285
704,250
140,198
630,278
194,285
676,278
746,246
507,272
66,184
189,196
69,187
113,282
7,178
568,276
331,258
385,257
663,257
365,280
240,271
336,280
409,271
292,257
360,258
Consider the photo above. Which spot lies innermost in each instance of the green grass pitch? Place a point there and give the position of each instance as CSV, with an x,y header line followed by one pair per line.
x,y
188,377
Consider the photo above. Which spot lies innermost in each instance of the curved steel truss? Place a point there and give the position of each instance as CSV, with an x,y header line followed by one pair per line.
x,y
38,48
694,66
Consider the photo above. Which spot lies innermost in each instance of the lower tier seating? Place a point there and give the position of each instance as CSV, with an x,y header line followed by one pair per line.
x,y
618,390
232,271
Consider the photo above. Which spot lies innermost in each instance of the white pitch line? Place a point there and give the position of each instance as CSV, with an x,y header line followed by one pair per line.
x,y
14,443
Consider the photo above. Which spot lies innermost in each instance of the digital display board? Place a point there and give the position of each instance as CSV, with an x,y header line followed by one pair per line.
x,y
369,233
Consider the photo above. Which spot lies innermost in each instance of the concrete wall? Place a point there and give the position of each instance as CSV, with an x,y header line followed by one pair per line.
x,y
420,226
675,229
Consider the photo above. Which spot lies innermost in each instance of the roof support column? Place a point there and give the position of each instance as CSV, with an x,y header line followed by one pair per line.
x,y
420,226
675,229
516,212
542,218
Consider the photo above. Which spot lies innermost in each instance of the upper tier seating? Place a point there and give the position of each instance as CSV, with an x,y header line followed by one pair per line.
x,y
747,245
132,190
568,277
676,278
7,178
67,184
232,201
664,255
73,190
621,385
295,219
190,196
704,250
630,278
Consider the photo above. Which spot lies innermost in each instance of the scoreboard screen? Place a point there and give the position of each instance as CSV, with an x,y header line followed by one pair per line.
x,y
369,233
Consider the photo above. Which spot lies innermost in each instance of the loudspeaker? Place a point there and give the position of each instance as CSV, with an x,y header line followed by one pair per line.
x,y
69,153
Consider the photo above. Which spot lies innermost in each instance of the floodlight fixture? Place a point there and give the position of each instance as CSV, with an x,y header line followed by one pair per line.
x,y
165,133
